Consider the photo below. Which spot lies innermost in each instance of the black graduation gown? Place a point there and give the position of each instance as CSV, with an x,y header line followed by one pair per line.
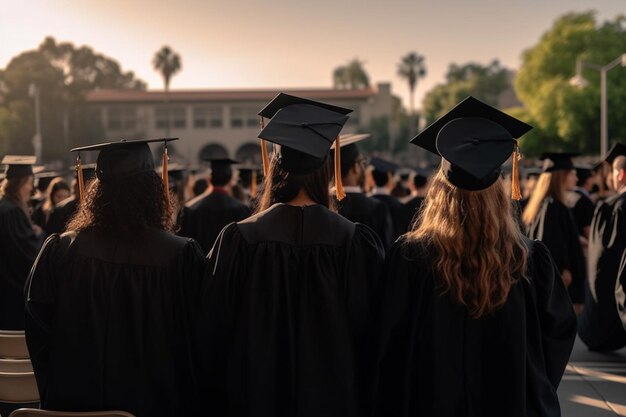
x,y
359,208
396,210
600,325
60,215
555,227
410,210
435,360
110,322
18,248
204,217
38,216
290,305
582,210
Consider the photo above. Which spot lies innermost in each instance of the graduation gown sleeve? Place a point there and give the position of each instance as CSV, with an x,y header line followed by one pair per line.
x,y
18,248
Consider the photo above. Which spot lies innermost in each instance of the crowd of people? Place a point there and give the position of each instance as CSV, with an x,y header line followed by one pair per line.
x,y
322,283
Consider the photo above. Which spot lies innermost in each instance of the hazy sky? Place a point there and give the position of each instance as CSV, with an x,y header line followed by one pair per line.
x,y
281,43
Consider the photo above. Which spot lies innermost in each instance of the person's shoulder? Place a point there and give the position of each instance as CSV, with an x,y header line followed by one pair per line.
x,y
8,207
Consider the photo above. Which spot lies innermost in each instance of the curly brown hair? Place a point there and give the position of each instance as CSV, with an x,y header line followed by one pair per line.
x,y
125,206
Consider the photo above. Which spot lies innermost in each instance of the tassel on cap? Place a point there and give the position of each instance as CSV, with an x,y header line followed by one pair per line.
x,y
253,184
80,179
515,189
341,194
166,179
264,154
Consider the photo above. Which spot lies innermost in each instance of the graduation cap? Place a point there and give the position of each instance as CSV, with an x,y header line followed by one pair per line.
x,y
349,148
583,172
123,159
474,140
305,130
221,167
532,172
616,150
249,174
18,165
45,178
557,161
383,165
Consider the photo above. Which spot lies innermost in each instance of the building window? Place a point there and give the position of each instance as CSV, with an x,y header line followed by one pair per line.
x,y
204,117
122,118
243,117
177,117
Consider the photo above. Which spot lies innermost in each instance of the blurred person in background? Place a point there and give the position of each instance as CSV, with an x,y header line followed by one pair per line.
x,y
20,239
548,219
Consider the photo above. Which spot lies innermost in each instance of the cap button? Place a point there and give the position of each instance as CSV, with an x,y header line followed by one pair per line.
x,y
475,142
304,124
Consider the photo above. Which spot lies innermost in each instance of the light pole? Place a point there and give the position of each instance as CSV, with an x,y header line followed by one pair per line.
x,y
33,91
579,81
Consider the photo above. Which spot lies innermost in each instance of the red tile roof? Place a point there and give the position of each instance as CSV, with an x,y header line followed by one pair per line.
x,y
131,96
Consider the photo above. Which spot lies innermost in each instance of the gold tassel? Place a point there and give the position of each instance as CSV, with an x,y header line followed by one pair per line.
x,y
80,179
341,194
166,179
264,154
515,190
253,184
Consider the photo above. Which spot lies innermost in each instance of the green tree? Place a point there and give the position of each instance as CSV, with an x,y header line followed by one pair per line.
x,y
566,117
486,83
411,68
351,76
64,74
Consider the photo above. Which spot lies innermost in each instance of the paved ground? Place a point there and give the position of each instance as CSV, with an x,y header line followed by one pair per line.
x,y
594,384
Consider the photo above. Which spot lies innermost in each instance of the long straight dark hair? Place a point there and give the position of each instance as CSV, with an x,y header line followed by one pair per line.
x,y
280,186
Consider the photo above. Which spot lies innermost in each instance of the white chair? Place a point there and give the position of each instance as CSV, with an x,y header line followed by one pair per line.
x,y
15,365
13,344
18,387
32,412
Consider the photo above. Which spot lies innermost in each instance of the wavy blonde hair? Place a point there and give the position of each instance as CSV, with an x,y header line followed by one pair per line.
x,y
479,252
549,184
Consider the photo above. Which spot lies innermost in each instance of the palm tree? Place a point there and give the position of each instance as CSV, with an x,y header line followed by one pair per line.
x,y
412,68
168,63
352,75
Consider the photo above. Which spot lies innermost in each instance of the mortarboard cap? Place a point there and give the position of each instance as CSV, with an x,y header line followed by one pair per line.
x,y
557,161
532,172
18,165
349,149
474,140
124,158
380,164
616,150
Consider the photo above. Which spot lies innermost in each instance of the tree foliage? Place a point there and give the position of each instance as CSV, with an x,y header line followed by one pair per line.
x,y
411,68
168,63
567,117
63,74
351,76
486,83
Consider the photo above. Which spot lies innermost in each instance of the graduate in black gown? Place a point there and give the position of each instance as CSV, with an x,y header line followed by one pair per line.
x,y
475,320
291,294
20,239
356,206
413,206
580,200
548,219
58,190
112,304
382,174
64,210
206,215
602,325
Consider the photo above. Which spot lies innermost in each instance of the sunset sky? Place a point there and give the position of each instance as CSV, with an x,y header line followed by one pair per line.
x,y
281,43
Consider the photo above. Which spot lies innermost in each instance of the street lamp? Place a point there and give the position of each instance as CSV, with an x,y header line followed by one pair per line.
x,y
579,81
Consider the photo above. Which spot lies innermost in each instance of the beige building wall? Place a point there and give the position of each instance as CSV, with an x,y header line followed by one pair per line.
x,y
218,122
